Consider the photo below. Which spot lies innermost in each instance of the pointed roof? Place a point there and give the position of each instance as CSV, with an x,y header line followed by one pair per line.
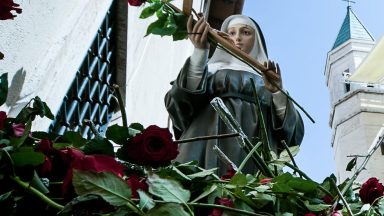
x,y
352,28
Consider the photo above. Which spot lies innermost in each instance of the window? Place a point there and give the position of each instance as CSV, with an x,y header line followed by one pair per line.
x,y
90,95
346,74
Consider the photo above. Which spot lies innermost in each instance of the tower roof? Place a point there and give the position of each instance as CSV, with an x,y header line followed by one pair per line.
x,y
352,28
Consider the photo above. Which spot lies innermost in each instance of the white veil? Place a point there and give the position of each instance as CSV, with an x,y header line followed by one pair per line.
x,y
223,60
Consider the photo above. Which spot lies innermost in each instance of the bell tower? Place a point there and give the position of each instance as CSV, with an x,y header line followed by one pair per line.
x,y
355,114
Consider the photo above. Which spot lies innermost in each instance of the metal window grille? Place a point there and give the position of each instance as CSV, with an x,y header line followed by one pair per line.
x,y
90,95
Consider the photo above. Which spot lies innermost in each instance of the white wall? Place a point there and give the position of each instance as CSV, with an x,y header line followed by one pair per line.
x,y
44,46
152,63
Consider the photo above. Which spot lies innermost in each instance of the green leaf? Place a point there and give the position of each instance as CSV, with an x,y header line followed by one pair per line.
x,y
150,10
202,174
169,209
207,191
302,185
98,145
75,138
283,178
3,88
161,14
162,27
91,204
261,199
380,206
181,23
239,180
351,164
42,108
27,156
284,214
146,202
118,134
167,189
105,184
281,188
316,207
136,126
27,113
284,156
5,196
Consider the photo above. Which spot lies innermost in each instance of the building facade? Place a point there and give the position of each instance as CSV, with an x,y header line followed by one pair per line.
x,y
357,109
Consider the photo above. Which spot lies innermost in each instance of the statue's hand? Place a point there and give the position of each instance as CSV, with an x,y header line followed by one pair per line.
x,y
198,33
272,76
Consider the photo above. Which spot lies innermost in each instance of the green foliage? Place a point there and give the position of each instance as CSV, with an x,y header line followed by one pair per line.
x,y
168,190
107,185
351,164
27,156
98,145
170,209
169,22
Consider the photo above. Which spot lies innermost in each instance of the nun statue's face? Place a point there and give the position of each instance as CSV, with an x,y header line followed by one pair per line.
x,y
243,36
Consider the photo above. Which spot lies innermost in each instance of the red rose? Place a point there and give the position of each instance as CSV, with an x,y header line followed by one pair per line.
x,y
221,201
327,199
18,129
265,181
136,2
45,146
230,173
46,167
6,6
3,117
97,163
309,214
153,146
371,190
136,183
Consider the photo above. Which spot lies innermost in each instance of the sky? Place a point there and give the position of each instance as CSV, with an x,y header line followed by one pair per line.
x,y
299,34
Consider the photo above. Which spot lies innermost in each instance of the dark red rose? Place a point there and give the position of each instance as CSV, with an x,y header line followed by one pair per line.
x,y
221,201
310,214
18,129
45,146
97,163
230,173
265,180
46,167
3,117
6,6
371,190
154,147
327,199
136,183
136,2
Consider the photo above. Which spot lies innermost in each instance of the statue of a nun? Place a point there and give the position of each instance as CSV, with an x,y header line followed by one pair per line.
x,y
200,80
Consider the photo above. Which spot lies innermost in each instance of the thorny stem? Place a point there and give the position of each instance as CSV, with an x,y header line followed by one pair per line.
x,y
92,127
248,157
121,105
224,158
221,136
342,198
290,154
37,193
362,166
